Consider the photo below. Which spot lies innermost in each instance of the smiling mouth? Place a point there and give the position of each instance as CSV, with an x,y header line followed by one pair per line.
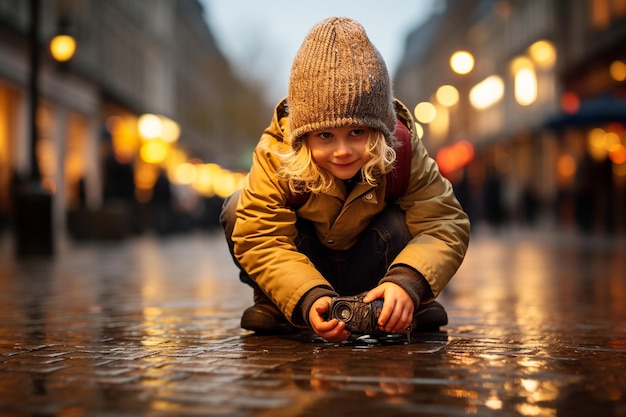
x,y
345,165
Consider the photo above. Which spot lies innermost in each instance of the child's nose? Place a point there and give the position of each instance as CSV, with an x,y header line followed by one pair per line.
x,y
342,148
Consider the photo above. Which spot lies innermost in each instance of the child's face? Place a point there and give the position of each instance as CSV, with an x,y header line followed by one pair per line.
x,y
340,150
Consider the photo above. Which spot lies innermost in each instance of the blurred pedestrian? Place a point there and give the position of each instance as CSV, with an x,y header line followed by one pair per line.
x,y
331,144
162,204
119,180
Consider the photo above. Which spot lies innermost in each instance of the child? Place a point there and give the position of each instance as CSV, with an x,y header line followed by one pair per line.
x,y
331,143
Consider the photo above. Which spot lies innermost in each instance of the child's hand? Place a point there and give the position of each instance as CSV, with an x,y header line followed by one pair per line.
x,y
397,313
333,330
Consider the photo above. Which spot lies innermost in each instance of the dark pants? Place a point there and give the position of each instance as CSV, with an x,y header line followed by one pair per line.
x,y
351,271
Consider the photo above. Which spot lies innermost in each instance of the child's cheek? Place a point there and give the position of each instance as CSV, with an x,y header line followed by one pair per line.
x,y
318,157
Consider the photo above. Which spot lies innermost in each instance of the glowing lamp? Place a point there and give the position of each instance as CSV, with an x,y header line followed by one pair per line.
x,y
462,62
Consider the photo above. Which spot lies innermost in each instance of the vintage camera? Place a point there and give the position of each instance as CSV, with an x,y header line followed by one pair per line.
x,y
360,317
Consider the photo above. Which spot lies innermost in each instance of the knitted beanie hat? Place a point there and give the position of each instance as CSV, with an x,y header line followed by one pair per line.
x,y
338,78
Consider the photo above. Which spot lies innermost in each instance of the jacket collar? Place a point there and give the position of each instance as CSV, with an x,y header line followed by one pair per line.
x,y
279,126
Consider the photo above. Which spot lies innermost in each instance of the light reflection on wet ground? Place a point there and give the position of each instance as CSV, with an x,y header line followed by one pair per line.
x,y
148,327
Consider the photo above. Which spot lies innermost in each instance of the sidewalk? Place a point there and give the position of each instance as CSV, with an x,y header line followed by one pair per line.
x,y
149,327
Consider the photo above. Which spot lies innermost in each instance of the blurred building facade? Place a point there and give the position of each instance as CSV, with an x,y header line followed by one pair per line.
x,y
136,57
533,130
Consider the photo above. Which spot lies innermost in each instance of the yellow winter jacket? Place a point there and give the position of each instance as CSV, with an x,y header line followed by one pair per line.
x,y
265,229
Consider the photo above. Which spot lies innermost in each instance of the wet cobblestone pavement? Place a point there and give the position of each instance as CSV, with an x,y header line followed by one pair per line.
x,y
149,327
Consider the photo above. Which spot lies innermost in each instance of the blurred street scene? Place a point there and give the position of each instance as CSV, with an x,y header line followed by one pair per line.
x,y
116,119
524,104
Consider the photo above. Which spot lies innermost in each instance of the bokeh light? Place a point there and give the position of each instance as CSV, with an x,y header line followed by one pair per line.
x,y
62,47
170,130
525,86
543,53
150,126
487,92
618,154
596,144
524,80
447,95
566,167
618,70
185,173
455,156
425,112
570,103
154,152
462,62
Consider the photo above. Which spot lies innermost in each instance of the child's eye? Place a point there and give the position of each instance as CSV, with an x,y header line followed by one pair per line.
x,y
357,132
325,135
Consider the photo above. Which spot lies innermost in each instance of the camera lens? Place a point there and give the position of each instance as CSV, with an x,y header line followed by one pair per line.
x,y
342,311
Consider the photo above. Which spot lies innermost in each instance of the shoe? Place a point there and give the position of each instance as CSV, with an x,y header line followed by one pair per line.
x,y
429,316
264,317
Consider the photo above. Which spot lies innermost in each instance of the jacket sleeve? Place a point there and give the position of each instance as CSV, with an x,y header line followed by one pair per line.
x,y
264,235
439,226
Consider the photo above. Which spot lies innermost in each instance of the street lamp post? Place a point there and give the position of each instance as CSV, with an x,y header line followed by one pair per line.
x,y
33,204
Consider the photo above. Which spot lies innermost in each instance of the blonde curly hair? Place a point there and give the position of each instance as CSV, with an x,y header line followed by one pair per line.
x,y
304,175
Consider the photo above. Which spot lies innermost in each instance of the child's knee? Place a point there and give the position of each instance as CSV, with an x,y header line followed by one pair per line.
x,y
228,213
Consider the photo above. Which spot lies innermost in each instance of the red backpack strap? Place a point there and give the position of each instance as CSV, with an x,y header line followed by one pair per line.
x,y
398,178
295,201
